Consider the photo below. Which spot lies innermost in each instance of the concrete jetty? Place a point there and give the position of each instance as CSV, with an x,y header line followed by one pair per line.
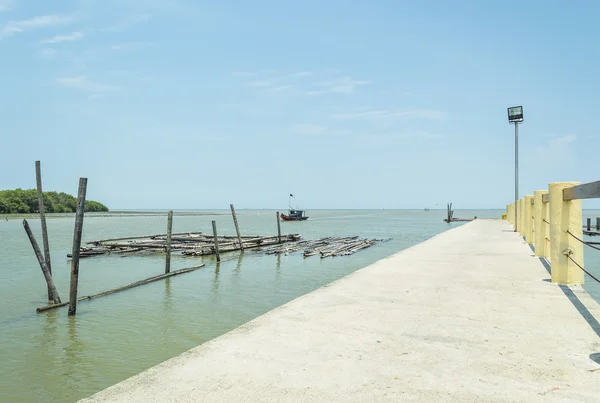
x,y
467,316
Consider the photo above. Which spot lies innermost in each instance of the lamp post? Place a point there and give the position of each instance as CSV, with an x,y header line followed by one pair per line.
x,y
515,115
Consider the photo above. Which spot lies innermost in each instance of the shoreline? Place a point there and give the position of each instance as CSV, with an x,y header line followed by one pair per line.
x,y
109,214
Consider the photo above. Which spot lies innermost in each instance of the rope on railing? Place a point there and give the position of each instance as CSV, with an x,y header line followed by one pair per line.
x,y
577,264
584,270
583,242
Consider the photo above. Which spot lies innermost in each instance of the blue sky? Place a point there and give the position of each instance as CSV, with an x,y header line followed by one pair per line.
x,y
347,104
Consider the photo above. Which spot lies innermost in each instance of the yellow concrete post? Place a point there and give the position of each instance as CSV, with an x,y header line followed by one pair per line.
x,y
509,214
539,236
512,214
528,210
519,216
565,216
546,217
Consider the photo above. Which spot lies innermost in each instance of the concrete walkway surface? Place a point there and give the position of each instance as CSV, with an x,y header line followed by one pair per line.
x,y
467,316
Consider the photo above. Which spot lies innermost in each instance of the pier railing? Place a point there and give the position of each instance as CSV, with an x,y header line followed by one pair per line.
x,y
551,220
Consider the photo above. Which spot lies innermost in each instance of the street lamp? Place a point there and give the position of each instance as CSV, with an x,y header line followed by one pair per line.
x,y
515,115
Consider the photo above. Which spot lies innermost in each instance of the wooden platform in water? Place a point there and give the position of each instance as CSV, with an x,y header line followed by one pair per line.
x,y
198,244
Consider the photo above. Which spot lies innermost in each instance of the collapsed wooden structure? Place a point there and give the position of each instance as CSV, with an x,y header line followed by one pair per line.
x,y
199,244
450,216
325,247
188,243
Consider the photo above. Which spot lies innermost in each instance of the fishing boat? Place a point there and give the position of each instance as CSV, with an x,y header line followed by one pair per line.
x,y
294,214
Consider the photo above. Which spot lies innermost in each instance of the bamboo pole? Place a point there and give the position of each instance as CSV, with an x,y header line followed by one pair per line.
x,y
77,245
38,253
214,225
168,250
141,237
38,179
237,228
126,287
278,229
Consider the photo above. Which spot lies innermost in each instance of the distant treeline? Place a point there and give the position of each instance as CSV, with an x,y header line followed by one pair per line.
x,y
26,201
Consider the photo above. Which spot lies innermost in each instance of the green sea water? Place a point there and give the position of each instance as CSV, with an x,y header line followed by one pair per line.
x,y
51,357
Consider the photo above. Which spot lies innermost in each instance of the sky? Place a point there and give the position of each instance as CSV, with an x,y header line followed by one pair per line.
x,y
189,104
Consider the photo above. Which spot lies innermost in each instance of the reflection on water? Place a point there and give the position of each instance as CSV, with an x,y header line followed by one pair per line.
x,y
117,336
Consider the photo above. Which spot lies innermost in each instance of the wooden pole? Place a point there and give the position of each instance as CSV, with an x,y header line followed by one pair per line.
x,y
589,224
598,223
237,228
38,179
126,287
77,245
278,229
169,235
38,253
214,225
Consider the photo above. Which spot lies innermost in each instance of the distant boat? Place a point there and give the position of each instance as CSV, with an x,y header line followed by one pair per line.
x,y
293,214
426,209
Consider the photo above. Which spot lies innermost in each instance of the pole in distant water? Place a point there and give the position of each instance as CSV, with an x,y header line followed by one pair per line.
x,y
278,228
38,179
237,228
168,248
77,245
214,226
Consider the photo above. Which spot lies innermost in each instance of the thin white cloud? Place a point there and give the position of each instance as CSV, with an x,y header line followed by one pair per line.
x,y
339,85
48,53
558,149
16,27
280,88
5,5
407,113
75,36
259,84
302,74
83,83
131,46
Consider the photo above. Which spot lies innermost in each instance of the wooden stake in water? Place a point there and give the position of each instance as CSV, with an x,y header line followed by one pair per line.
x,y
38,253
168,249
589,224
278,229
598,223
214,225
38,179
77,245
237,229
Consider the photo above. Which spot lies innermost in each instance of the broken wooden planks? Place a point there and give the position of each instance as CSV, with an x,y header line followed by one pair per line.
x,y
326,247
192,244
126,287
